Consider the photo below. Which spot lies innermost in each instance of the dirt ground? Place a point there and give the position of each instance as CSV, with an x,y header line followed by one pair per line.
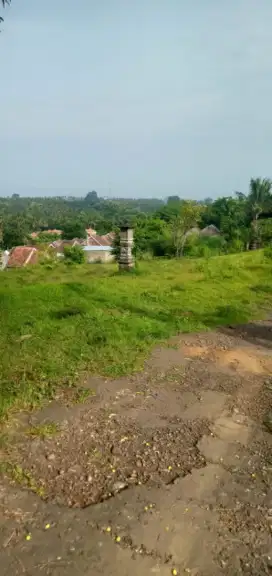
x,y
166,472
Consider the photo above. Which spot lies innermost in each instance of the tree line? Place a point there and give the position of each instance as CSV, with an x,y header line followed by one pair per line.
x,y
169,228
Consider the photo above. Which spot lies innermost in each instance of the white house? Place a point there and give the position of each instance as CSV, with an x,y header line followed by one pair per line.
x,y
98,253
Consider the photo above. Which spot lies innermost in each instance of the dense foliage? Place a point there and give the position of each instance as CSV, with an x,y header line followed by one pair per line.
x,y
161,228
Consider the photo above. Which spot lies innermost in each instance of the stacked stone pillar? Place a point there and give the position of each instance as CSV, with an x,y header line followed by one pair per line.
x,y
126,260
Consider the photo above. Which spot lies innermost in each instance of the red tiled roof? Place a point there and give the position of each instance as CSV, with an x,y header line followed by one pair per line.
x,y
36,234
109,238
90,232
59,245
96,240
21,256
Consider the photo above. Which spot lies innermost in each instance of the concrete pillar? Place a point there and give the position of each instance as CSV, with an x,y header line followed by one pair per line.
x,y
126,260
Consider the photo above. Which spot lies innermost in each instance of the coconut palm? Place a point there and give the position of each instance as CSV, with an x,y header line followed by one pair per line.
x,y
259,198
4,2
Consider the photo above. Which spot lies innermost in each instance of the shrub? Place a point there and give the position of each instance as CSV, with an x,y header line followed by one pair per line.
x,y
204,247
74,254
236,245
268,252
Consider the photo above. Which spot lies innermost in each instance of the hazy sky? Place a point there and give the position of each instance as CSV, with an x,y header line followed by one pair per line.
x,y
135,98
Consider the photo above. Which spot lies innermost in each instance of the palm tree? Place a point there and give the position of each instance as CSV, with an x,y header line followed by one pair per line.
x,y
259,198
4,2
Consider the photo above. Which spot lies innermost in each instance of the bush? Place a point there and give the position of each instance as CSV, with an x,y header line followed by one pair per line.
x,y
265,232
236,245
163,247
268,252
204,246
74,254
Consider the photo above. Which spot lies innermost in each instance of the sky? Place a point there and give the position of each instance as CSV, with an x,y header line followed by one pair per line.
x,y
135,99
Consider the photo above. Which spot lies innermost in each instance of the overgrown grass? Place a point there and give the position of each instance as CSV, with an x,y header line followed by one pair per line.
x,y
57,324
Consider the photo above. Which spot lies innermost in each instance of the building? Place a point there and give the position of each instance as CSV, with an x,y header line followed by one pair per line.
x,y
22,256
90,232
4,259
98,253
59,245
210,230
97,240
35,235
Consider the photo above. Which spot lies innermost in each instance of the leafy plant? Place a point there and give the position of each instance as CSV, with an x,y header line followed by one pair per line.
x,y
74,254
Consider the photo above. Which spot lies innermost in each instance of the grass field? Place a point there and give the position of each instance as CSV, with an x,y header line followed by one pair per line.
x,y
58,323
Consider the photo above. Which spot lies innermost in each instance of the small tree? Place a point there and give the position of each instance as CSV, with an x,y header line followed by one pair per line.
x,y
258,199
188,217
14,233
73,230
74,254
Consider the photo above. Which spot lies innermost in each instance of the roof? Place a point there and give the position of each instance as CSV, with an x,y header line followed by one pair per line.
x,y
97,248
36,234
192,231
96,240
21,256
210,230
60,244
90,231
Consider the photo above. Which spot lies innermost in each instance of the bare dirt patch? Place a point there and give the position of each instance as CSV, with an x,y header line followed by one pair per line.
x,y
171,469
246,359
98,456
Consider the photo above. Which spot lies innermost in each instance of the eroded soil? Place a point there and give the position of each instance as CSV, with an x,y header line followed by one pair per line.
x,y
166,472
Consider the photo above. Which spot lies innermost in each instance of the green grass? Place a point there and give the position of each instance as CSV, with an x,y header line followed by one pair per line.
x,y
57,324
21,476
43,431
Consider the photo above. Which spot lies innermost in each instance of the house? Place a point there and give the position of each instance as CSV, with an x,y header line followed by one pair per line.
x,y
96,240
192,232
4,259
35,235
90,232
98,253
21,256
210,230
59,245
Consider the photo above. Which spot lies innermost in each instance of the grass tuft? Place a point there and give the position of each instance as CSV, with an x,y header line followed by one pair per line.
x,y
43,431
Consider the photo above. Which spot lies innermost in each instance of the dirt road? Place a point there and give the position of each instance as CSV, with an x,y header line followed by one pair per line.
x,y
167,472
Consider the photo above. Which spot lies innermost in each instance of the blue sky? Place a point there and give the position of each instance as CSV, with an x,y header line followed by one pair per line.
x,y
146,98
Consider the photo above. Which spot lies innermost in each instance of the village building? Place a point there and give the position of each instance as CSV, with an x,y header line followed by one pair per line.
x,y
21,256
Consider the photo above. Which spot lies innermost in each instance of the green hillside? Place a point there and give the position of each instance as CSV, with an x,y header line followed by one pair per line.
x,y
58,323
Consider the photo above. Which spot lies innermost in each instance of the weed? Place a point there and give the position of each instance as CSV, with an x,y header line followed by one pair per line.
x,y
21,476
3,440
43,431
82,394
67,312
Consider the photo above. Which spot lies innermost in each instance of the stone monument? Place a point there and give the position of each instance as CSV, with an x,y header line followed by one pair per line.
x,y
126,260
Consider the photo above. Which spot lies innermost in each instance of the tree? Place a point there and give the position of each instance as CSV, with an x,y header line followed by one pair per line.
x,y
91,198
188,217
258,199
73,230
14,234
259,196
4,3
171,199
